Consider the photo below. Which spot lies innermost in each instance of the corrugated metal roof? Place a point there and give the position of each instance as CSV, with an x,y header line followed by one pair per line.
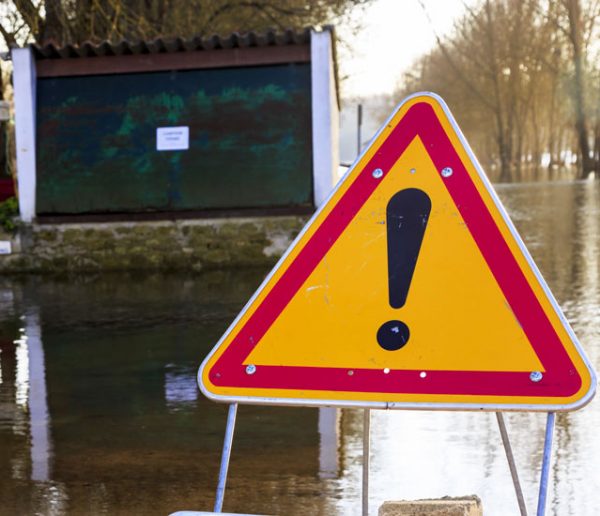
x,y
171,45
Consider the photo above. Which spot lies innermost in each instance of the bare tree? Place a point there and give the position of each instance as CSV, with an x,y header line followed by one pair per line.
x,y
522,79
76,21
576,40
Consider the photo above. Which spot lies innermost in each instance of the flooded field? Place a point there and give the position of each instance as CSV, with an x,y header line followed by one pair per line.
x,y
100,412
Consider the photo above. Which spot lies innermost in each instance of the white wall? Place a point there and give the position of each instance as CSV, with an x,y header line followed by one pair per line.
x,y
24,78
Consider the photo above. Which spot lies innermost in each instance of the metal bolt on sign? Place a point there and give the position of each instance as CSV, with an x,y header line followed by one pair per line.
x,y
536,376
447,172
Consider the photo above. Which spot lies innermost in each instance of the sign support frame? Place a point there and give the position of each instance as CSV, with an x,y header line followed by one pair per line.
x,y
366,460
226,455
544,476
511,463
499,408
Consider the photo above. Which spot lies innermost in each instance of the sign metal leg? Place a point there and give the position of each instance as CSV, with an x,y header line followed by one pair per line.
x,y
366,455
541,509
511,463
225,457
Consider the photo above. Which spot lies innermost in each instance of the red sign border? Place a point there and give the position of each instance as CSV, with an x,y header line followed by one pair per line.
x,y
560,378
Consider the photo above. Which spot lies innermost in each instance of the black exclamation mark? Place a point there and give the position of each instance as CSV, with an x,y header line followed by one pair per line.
x,y
407,214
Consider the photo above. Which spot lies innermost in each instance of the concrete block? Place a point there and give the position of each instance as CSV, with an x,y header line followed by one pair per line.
x,y
447,506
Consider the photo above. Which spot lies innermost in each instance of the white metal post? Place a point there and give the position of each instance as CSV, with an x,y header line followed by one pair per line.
x,y
24,82
547,459
366,461
511,463
325,116
227,444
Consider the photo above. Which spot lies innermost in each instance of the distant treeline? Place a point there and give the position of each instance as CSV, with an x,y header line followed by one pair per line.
x,y
523,79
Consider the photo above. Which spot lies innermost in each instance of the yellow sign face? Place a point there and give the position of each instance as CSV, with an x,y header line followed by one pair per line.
x,y
409,288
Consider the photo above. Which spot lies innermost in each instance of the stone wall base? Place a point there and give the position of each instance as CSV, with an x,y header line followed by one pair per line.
x,y
183,245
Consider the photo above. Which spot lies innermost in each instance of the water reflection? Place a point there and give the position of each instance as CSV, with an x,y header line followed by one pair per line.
x,y
329,442
181,389
39,420
24,418
22,371
100,413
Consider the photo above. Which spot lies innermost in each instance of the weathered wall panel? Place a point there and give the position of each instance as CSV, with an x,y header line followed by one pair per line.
x,y
250,140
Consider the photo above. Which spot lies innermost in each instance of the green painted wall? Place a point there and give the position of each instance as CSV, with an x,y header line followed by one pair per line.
x,y
250,140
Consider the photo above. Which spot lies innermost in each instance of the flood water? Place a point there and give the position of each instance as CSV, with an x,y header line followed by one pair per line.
x,y
100,412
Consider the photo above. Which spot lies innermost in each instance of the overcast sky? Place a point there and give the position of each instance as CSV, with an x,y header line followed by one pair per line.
x,y
393,34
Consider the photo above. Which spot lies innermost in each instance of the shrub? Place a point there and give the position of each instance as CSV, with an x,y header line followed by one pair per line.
x,y
8,210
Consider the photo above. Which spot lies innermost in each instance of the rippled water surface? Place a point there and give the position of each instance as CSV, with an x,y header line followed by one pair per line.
x,y
100,413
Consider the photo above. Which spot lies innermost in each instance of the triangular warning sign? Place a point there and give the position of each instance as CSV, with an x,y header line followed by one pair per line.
x,y
409,288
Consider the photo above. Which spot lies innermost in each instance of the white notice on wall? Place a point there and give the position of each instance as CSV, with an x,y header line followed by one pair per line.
x,y
172,138
5,247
